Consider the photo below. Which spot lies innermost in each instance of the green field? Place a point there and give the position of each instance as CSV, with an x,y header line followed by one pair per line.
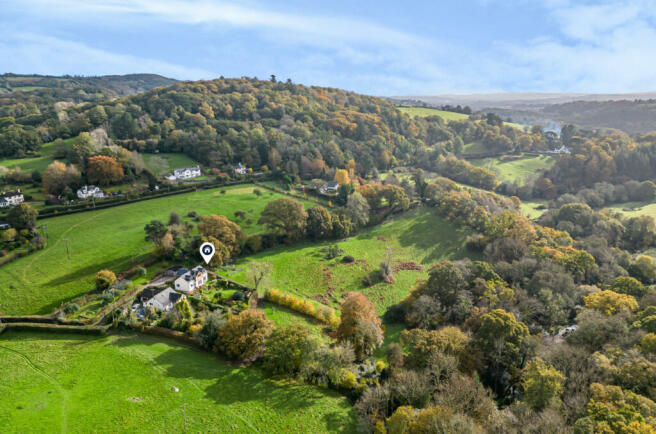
x,y
424,111
175,161
122,383
530,208
109,238
419,236
635,209
35,163
519,170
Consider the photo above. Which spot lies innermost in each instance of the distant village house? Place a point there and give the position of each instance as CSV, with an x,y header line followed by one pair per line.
x,y
90,191
11,198
330,188
240,169
186,173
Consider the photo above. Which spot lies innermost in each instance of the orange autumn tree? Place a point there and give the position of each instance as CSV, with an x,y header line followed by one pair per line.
x,y
360,325
103,170
342,177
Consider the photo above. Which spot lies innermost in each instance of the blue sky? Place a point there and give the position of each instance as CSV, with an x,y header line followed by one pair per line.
x,y
375,47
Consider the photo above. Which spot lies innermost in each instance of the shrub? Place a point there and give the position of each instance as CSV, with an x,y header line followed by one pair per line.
x,y
71,308
348,259
346,379
306,307
105,279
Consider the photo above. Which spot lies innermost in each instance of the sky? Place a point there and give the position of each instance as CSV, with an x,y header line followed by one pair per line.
x,y
374,47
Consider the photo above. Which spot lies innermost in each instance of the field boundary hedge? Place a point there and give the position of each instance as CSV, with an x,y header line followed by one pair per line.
x,y
55,328
303,306
38,319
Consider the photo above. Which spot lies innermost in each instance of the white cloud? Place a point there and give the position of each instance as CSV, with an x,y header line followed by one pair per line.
x,y
34,53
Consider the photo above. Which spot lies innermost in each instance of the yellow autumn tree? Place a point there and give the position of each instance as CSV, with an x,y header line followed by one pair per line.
x,y
610,302
342,177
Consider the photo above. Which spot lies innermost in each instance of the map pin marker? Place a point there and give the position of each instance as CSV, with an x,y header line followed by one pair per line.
x,y
207,251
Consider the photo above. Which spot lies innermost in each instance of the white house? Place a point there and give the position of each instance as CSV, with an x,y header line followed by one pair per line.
x,y
186,173
191,280
11,198
330,188
240,169
562,150
164,300
90,191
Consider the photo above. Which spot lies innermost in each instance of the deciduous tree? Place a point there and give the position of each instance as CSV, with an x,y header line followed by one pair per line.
x,y
243,336
103,170
285,217
360,325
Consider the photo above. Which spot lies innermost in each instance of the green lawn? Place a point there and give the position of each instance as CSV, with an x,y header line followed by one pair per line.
x,y
109,238
175,161
122,383
35,163
424,112
419,236
518,170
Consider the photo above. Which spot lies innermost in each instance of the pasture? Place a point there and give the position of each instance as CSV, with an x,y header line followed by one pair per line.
x,y
516,170
425,111
122,383
419,236
174,160
81,244
46,156
634,209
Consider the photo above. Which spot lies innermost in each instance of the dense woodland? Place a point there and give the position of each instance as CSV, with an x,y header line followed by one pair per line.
x,y
551,328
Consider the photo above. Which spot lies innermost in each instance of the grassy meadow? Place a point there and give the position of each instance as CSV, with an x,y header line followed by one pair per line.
x,y
107,239
635,209
425,111
122,383
174,160
518,170
35,163
418,236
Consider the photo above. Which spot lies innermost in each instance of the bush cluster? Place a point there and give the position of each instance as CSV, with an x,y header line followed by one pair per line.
x,y
306,307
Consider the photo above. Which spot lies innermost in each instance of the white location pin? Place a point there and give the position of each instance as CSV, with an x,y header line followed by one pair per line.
x,y
207,251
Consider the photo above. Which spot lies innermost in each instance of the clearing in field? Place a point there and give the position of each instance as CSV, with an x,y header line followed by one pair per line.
x,y
418,238
123,383
108,239
516,170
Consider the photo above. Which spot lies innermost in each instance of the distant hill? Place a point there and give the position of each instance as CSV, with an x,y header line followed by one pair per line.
x,y
633,113
120,85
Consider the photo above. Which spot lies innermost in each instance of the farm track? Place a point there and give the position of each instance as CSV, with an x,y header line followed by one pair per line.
x,y
62,390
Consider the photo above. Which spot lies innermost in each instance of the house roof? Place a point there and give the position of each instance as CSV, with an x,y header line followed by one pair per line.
x,y
193,273
167,297
332,184
88,188
176,171
10,194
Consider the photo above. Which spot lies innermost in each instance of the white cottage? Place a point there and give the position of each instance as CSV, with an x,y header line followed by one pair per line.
x,y
90,191
11,198
191,280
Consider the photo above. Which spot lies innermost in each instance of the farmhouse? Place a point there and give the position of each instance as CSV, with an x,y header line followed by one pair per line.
x,y
164,300
186,173
240,169
330,188
562,150
191,280
11,198
90,191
